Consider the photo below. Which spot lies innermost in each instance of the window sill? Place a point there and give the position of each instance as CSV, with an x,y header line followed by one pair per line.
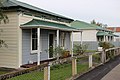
x,y
35,51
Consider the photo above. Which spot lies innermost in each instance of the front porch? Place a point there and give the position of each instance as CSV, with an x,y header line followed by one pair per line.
x,y
38,38
105,36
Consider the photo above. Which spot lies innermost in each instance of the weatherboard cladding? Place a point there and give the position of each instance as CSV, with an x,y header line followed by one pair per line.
x,y
26,46
9,56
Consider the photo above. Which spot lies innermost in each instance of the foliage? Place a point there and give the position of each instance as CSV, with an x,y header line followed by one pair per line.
x,y
2,42
57,51
3,16
98,23
106,45
96,58
80,48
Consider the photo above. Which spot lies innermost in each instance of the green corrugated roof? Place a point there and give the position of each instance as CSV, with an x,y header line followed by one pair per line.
x,y
83,25
114,35
101,33
44,24
14,3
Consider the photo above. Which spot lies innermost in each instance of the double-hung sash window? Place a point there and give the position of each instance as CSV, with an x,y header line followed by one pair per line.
x,y
34,39
62,39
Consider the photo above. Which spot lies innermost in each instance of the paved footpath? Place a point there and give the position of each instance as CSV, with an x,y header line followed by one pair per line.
x,y
101,71
113,74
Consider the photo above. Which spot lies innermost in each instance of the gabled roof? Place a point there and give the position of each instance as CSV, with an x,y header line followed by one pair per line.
x,y
46,24
84,26
87,26
15,3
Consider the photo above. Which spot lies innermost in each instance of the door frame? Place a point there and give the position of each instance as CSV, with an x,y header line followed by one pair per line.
x,y
49,42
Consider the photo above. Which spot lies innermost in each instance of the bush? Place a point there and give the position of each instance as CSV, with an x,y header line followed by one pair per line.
x,y
80,48
106,45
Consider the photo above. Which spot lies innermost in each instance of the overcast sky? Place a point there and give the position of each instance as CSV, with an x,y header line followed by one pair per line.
x,y
104,11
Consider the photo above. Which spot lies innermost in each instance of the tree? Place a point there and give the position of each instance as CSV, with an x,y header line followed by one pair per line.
x,y
4,18
98,23
93,22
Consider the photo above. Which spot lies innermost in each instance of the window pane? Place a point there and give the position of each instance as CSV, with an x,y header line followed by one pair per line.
x,y
34,33
34,44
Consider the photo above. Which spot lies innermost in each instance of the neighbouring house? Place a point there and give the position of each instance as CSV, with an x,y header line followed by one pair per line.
x,y
116,31
91,34
30,32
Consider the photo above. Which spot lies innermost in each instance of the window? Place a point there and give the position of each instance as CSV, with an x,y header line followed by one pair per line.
x,y
34,39
62,39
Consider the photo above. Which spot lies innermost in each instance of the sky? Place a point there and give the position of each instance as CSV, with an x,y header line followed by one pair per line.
x,y
103,11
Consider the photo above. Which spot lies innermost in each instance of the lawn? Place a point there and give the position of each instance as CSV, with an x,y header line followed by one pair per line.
x,y
96,58
58,72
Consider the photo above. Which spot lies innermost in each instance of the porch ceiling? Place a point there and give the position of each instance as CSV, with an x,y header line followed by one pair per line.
x,y
48,25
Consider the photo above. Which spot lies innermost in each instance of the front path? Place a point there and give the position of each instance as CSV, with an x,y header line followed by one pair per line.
x,y
113,74
99,72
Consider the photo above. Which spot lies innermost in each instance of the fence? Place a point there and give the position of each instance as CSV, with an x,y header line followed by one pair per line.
x,y
93,45
64,68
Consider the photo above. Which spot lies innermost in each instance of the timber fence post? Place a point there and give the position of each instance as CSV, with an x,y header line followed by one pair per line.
x,y
47,72
103,56
74,66
90,61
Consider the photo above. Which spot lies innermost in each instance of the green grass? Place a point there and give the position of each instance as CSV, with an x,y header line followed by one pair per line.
x,y
58,72
36,75
92,51
96,58
82,67
61,72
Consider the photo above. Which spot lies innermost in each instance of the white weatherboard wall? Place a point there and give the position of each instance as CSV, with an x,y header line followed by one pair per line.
x,y
10,56
117,38
87,35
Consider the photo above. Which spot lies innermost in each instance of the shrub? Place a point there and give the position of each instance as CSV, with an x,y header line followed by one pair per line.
x,y
80,48
106,45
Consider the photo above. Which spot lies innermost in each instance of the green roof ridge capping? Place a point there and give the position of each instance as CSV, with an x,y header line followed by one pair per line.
x,y
14,3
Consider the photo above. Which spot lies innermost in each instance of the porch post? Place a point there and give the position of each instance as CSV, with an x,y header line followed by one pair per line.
x,y
58,32
72,44
38,46
104,37
57,38
81,38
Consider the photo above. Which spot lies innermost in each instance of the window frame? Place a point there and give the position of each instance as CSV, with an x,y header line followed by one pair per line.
x,y
33,51
63,34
